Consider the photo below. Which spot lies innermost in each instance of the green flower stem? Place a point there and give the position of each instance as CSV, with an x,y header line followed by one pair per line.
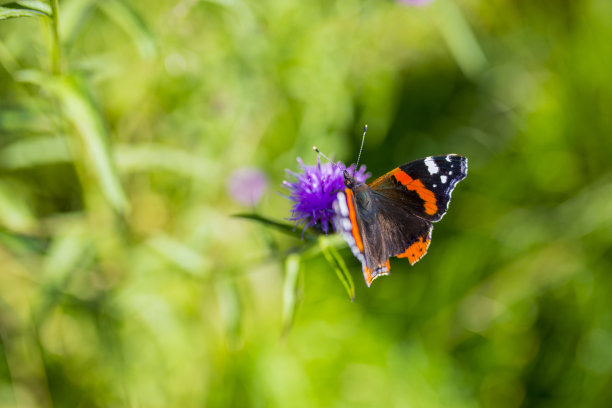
x,y
56,54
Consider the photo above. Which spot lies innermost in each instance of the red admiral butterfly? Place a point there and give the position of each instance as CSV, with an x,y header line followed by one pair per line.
x,y
394,214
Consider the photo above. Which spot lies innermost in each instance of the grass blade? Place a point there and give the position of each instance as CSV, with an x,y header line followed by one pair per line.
x,y
290,290
91,129
460,38
125,17
230,311
335,260
15,212
69,251
181,255
75,16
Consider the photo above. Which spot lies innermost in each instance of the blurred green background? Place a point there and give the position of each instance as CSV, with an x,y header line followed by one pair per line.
x,y
124,280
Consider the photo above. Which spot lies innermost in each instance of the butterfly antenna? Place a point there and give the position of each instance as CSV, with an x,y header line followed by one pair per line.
x,y
365,129
316,149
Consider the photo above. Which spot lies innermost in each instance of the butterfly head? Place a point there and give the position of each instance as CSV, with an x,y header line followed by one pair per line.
x,y
349,181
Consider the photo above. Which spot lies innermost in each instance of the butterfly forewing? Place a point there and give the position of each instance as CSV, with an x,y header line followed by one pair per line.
x,y
423,186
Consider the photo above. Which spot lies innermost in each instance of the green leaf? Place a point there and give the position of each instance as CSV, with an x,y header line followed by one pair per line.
x,y
131,22
334,240
335,260
15,211
25,8
290,290
74,18
279,226
33,5
6,13
149,157
91,129
23,244
38,151
230,311
70,250
7,60
181,255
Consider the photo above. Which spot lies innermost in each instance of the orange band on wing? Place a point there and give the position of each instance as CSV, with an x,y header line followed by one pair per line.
x,y
353,218
416,250
417,186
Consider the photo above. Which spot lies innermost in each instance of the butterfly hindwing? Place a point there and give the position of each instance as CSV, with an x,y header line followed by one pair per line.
x,y
403,234
378,228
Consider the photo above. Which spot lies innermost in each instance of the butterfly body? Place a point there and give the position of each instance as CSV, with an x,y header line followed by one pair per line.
x,y
394,214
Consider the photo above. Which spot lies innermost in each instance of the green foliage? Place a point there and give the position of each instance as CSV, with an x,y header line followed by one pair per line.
x,y
337,263
24,8
125,279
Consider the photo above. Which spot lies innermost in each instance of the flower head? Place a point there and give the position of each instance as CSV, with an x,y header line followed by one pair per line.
x,y
314,191
247,185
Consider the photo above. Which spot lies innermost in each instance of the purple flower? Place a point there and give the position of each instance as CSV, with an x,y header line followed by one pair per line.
x,y
247,185
415,2
314,192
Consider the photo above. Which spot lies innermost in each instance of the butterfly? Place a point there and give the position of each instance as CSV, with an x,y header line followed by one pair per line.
x,y
394,214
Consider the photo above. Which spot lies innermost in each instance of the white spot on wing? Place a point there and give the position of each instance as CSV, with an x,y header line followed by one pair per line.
x,y
342,203
448,158
443,178
431,165
346,223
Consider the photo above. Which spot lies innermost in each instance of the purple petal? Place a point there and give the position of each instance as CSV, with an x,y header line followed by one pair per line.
x,y
314,191
415,2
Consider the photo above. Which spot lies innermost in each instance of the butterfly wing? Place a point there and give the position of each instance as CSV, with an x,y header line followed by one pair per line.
x,y
377,228
402,234
393,215
423,186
